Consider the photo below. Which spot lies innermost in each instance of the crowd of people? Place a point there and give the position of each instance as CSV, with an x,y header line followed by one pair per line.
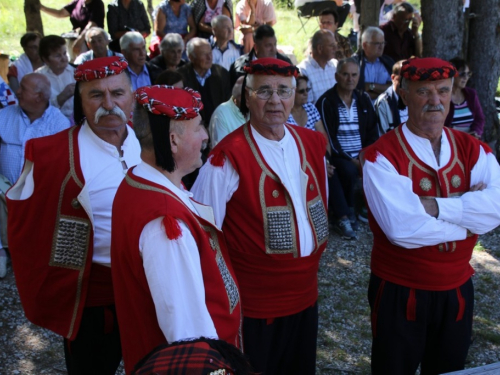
x,y
182,199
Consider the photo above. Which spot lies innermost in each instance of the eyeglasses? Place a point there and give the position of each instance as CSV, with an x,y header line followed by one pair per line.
x,y
465,74
265,94
378,44
304,91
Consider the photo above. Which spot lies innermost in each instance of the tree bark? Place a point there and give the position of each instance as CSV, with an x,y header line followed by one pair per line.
x,y
443,22
151,11
33,17
370,11
484,60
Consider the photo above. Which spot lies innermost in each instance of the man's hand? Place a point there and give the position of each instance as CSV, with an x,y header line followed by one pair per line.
x,y
430,206
66,93
330,170
478,187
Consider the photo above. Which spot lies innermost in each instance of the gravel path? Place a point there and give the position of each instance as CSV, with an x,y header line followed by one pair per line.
x,y
344,335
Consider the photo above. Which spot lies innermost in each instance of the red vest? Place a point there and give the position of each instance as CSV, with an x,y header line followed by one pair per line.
x,y
261,228
444,266
51,236
137,202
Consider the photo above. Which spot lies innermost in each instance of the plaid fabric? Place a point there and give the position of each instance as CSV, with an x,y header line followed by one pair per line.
x,y
190,358
183,104
427,69
100,68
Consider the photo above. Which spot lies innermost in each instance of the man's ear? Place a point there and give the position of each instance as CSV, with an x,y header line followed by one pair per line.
x,y
403,93
174,142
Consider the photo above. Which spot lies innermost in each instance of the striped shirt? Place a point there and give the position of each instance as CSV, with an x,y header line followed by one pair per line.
x,y
462,117
348,132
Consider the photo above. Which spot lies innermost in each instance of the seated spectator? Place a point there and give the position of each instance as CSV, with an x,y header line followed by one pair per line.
x,y
60,74
33,117
210,80
227,116
402,42
250,14
205,10
7,96
320,67
28,62
170,78
465,113
375,67
171,48
351,124
141,73
224,50
265,46
390,108
97,41
173,16
124,16
83,14
329,20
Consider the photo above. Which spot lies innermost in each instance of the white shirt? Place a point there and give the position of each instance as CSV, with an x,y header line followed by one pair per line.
x,y
173,269
321,79
215,185
402,217
57,84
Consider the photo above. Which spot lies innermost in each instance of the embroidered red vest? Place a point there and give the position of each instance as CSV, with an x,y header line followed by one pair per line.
x,y
444,266
51,236
137,202
260,225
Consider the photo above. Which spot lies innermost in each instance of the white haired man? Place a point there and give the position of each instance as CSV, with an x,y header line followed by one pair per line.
x,y
60,219
97,40
224,50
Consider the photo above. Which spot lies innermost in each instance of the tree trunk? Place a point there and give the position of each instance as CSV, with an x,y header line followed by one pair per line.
x,y
33,17
151,11
484,60
370,11
443,22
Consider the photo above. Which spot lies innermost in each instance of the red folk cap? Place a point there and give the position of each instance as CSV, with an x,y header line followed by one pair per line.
x,y
99,68
271,66
427,69
176,103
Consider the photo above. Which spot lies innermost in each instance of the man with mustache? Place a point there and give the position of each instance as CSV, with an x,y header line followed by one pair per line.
x,y
169,257
430,190
60,219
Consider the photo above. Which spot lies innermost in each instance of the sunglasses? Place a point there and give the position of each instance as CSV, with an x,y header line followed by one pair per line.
x,y
304,91
465,74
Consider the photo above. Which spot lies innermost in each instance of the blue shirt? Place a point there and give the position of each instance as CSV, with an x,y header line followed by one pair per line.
x,y
376,72
16,130
139,80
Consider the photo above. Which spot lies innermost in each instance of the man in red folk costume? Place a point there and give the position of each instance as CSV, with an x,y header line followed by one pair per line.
x,y
431,190
172,276
60,219
267,184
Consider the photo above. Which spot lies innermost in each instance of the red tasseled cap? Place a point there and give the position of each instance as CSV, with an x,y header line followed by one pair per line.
x,y
427,69
99,68
271,66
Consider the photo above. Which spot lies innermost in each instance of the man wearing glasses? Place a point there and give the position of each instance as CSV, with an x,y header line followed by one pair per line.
x,y
266,182
375,68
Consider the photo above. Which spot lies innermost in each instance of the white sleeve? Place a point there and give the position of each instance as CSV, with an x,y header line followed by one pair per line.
x,y
215,186
25,184
478,211
173,271
398,210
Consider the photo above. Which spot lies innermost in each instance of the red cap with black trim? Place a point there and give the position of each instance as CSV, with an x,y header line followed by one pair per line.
x,y
99,68
271,66
176,103
427,69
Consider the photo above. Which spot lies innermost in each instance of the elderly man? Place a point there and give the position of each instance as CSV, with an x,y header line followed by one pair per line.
x,y
60,219
227,117
265,46
375,67
141,73
170,57
267,184
431,190
224,50
329,20
389,107
320,67
210,80
33,117
402,42
166,246
28,62
351,124
97,41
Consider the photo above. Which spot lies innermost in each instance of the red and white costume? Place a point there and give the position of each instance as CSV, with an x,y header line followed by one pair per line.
x,y
170,259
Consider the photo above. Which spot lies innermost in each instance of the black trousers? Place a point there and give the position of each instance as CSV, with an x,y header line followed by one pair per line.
x,y
412,327
96,349
337,205
285,345
348,175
